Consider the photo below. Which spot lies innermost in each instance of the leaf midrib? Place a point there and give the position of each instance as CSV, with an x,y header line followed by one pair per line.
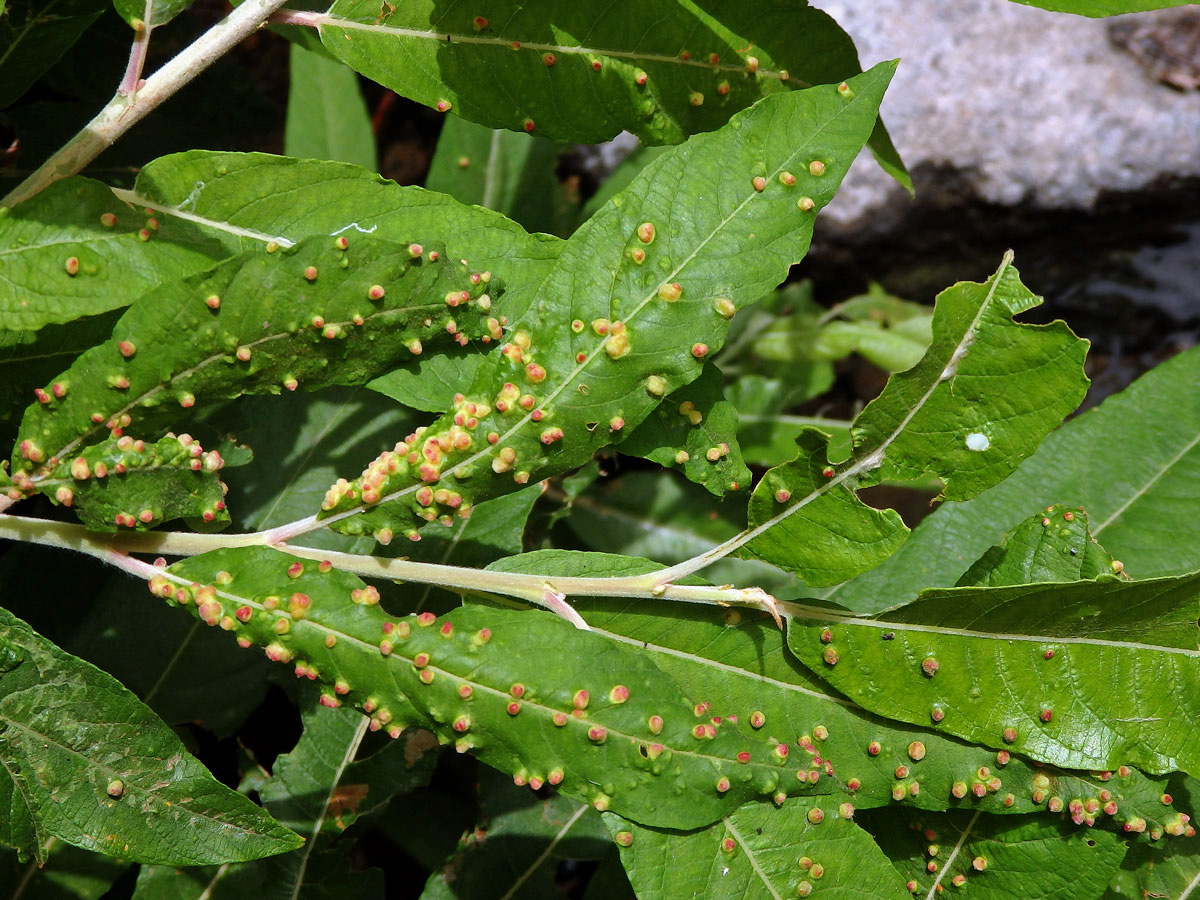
x,y
831,616
750,857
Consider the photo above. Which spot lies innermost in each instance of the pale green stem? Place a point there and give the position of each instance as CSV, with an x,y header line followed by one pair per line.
x,y
542,590
123,112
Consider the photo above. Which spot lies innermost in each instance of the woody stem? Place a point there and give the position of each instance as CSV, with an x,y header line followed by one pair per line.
x,y
123,112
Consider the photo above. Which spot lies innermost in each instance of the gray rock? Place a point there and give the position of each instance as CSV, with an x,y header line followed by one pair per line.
x,y
1026,106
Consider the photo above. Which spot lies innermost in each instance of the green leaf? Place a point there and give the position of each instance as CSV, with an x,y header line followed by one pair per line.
x,y
758,852
1144,506
997,858
1097,8
517,844
828,535
695,430
429,382
75,250
1029,667
646,67
737,662
657,516
258,198
983,397
122,482
587,721
1054,545
326,115
609,337
34,34
94,767
889,332
68,874
508,171
260,322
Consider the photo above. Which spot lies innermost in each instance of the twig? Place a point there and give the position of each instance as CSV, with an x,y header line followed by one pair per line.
x,y
123,112
548,591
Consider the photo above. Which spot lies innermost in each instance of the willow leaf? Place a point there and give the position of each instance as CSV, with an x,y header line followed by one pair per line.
x,y
758,853
123,482
258,198
517,845
739,665
1099,8
997,858
983,396
259,322
1030,667
695,430
640,294
603,722
981,399
327,117
1054,545
1144,506
108,775
658,68
76,250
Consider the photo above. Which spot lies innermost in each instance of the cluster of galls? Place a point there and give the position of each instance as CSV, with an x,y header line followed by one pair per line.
x,y
427,454
117,457
765,778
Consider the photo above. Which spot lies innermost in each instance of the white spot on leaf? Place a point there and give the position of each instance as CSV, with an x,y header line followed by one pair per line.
x,y
978,441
